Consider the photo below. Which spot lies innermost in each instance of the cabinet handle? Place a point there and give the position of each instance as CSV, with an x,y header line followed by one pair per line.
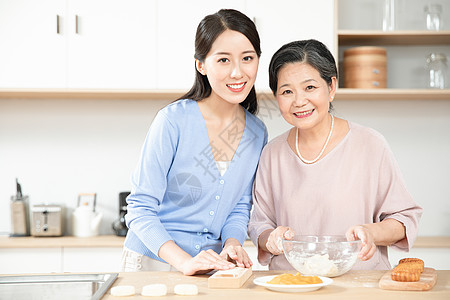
x,y
57,24
76,24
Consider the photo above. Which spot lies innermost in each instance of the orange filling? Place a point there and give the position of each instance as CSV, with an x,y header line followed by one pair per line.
x,y
287,278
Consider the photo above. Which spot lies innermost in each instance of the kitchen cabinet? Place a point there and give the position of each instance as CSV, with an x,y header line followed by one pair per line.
x,y
64,259
143,49
33,54
114,45
407,48
30,260
276,26
71,254
103,254
20,255
284,21
176,36
102,44
98,259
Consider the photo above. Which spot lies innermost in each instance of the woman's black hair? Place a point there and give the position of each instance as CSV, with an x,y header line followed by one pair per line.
x,y
311,52
207,32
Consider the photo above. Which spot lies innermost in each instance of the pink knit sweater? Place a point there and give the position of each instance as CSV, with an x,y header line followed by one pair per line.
x,y
357,182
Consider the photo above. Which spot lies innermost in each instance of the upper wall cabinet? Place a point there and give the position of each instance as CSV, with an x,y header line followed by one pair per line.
x,y
283,21
177,25
278,22
111,44
33,47
134,44
102,44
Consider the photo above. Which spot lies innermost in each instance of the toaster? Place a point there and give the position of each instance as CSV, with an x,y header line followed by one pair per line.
x,y
46,220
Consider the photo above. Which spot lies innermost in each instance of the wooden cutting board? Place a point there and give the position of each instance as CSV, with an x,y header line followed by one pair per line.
x,y
231,279
427,281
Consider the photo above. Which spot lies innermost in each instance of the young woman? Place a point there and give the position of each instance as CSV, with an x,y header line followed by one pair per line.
x,y
191,196
326,175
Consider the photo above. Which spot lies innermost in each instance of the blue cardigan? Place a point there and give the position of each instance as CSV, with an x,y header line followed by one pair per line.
x,y
177,192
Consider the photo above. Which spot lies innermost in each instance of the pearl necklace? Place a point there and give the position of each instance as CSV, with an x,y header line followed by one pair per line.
x,y
324,146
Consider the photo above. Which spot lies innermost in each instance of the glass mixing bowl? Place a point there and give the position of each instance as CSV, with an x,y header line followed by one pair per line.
x,y
324,255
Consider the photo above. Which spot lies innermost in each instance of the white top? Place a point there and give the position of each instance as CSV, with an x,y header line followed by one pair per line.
x,y
222,166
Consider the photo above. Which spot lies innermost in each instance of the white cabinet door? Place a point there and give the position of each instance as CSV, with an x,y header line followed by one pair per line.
x,y
177,24
101,44
283,21
32,52
30,260
101,259
112,44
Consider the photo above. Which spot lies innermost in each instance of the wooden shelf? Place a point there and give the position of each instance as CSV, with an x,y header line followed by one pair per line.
x,y
396,38
341,94
90,94
61,242
117,241
392,94
399,37
380,94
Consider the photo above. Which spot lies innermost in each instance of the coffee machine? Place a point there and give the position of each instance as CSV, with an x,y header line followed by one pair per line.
x,y
119,226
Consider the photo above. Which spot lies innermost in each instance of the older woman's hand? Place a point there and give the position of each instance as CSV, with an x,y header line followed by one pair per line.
x,y
360,232
274,240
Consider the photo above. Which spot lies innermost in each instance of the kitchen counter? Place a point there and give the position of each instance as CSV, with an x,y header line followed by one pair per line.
x,y
20,255
61,241
353,285
117,241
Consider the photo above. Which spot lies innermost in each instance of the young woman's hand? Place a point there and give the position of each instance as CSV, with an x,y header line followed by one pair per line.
x,y
274,244
234,252
204,262
360,232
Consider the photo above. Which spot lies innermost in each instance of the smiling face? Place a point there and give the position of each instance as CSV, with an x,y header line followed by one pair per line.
x,y
303,95
230,66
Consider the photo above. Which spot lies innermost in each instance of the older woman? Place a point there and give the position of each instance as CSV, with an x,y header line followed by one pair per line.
x,y
326,175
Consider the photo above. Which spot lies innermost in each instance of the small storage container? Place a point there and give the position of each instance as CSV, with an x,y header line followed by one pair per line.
x,y
365,67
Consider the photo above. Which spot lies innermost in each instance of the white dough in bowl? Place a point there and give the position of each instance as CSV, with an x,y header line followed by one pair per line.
x,y
186,289
322,265
155,290
123,290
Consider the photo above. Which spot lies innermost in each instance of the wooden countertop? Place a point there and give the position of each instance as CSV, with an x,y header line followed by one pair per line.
x,y
61,242
353,285
117,241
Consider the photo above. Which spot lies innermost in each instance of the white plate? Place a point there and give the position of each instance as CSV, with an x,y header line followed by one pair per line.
x,y
291,288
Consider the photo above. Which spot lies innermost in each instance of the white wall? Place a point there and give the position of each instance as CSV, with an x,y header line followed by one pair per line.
x,y
59,148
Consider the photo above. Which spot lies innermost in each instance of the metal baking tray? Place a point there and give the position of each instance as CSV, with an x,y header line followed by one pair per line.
x,y
58,286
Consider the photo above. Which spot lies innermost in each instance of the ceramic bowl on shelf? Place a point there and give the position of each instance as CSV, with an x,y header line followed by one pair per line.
x,y
328,256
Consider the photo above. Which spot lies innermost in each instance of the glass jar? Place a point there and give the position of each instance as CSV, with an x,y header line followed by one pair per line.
x,y
437,67
433,16
389,15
